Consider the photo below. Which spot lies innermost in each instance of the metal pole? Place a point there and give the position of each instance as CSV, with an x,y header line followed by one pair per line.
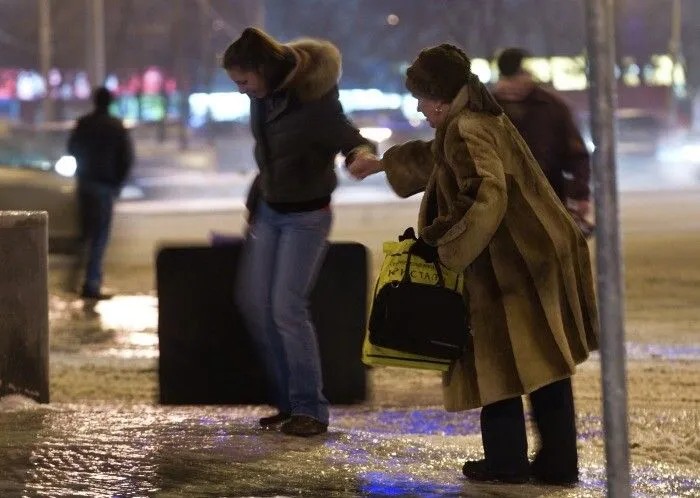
x,y
675,48
95,31
601,43
45,54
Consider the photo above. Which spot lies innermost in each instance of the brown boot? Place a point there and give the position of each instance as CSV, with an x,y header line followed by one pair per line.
x,y
274,421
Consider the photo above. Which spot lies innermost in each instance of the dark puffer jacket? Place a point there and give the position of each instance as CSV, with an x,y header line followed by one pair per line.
x,y
300,128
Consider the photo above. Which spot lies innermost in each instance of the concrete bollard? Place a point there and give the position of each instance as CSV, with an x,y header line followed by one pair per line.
x,y
24,304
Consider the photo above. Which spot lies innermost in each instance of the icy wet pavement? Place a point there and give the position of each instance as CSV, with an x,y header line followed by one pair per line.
x,y
109,450
391,446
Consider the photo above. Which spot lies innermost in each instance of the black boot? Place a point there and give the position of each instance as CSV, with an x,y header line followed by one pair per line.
x,y
556,462
480,470
304,426
552,475
505,444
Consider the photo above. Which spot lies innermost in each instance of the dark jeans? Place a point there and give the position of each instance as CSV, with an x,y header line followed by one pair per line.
x,y
282,256
505,440
95,206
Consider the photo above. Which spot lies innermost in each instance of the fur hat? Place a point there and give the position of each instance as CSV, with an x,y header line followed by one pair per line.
x,y
439,73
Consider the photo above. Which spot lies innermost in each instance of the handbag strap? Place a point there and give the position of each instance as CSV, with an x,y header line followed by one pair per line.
x,y
407,274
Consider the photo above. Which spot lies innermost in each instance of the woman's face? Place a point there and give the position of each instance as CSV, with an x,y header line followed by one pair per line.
x,y
249,82
435,111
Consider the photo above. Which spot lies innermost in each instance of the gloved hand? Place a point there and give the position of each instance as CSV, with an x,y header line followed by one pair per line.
x,y
425,251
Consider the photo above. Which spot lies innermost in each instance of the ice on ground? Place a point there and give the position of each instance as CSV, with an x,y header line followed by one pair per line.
x,y
14,402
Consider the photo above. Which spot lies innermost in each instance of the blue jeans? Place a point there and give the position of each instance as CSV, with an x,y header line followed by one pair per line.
x,y
96,205
282,255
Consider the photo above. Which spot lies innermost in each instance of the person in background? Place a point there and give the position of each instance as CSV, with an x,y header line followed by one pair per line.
x,y
299,127
545,122
104,154
488,211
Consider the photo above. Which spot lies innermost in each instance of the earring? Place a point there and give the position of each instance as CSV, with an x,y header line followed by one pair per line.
x,y
437,109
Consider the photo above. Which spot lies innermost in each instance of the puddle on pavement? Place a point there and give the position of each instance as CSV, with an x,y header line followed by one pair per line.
x,y
663,351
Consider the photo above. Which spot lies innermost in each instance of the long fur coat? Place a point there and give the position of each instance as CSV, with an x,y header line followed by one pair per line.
x,y
493,215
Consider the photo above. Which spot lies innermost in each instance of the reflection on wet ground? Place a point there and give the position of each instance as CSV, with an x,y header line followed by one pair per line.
x,y
126,326
122,327
82,450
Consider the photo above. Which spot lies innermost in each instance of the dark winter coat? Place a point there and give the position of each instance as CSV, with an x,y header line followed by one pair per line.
x,y
528,283
545,122
103,150
300,128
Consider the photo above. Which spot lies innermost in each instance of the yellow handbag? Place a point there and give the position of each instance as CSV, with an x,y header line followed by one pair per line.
x,y
397,333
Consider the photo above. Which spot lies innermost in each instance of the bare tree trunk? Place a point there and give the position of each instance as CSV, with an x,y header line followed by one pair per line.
x,y
45,53
95,21
115,49
207,56
181,72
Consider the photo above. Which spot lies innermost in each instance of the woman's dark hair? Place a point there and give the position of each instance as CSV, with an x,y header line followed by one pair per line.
x,y
257,51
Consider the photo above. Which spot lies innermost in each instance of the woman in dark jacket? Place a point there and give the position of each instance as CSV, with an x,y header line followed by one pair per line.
x,y
299,127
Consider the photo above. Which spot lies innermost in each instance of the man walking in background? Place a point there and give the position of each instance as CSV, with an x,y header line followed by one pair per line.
x,y
545,122
104,153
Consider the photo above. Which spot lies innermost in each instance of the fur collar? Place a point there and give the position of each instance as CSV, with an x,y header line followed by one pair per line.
x,y
317,70
473,96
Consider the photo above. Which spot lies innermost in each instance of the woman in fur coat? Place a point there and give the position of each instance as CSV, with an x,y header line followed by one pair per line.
x,y
299,127
489,211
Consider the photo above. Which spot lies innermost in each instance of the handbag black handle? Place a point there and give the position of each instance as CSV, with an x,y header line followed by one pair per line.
x,y
407,276
409,233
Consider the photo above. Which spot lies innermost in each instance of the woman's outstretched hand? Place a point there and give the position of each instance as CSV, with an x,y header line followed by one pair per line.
x,y
364,165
